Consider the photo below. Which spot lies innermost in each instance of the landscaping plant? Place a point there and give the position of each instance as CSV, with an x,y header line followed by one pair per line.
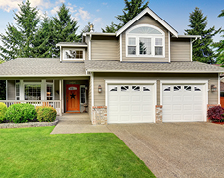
x,y
215,114
46,114
3,109
21,113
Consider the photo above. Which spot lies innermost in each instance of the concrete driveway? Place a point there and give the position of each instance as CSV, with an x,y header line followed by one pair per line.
x,y
176,149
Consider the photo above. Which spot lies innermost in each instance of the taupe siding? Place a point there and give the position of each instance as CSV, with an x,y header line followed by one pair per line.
x,y
11,89
146,20
180,49
105,49
99,79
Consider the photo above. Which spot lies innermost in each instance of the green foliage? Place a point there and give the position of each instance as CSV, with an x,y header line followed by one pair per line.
x,y
18,40
65,28
202,50
110,28
131,10
2,90
46,114
21,113
219,46
3,109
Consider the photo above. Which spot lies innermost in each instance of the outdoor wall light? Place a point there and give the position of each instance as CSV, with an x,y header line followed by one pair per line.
x,y
213,88
99,89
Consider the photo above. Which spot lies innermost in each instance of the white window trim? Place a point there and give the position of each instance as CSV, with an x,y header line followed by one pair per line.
x,y
152,36
120,82
77,49
188,82
16,91
34,83
49,83
82,86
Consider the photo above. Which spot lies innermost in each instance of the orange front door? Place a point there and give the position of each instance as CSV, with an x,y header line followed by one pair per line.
x,y
73,98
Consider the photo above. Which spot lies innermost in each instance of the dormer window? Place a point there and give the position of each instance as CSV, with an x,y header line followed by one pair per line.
x,y
73,54
145,41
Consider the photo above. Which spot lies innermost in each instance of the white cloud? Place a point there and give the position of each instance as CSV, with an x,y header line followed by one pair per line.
x,y
60,1
54,10
84,15
8,5
97,10
104,3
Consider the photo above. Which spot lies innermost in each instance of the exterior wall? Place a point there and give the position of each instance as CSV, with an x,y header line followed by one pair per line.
x,y
146,20
99,79
11,89
180,49
105,48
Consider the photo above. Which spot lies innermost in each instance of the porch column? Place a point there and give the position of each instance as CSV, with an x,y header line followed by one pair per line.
x,y
60,94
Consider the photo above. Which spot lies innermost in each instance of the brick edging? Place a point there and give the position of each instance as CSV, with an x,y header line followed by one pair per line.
x,y
28,124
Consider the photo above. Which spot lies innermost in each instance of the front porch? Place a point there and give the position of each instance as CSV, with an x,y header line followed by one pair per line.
x,y
67,95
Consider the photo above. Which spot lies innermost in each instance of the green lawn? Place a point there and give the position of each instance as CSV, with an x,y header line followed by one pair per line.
x,y
33,152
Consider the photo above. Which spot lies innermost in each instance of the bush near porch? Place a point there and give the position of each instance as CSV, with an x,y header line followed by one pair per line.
x,y
216,114
22,113
33,152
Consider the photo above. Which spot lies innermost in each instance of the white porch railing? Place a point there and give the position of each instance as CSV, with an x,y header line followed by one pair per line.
x,y
56,104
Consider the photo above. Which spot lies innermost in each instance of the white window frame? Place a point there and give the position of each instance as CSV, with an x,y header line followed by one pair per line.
x,y
152,36
82,86
16,91
76,49
34,83
48,83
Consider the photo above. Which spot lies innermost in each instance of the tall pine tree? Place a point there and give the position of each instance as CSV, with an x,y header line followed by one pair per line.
x,y
18,40
202,50
65,27
131,10
219,46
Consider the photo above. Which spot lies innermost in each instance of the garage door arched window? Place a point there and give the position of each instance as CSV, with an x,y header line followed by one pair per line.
x,y
145,41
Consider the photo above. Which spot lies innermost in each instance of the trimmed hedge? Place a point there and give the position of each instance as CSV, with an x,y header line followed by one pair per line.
x,y
21,113
3,109
46,114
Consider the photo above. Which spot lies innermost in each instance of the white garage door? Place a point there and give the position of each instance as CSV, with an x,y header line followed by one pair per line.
x,y
130,103
183,103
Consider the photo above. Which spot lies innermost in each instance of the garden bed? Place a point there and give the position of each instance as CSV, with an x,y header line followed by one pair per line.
x,y
28,124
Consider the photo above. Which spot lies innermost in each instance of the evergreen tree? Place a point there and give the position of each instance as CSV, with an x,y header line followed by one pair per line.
x,y
45,39
18,40
65,28
131,10
202,50
219,46
110,28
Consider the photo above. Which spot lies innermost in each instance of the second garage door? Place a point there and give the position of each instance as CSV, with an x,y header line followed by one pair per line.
x,y
183,103
130,103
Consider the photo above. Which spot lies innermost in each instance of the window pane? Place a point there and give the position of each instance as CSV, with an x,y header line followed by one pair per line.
x,y
131,41
158,41
145,46
73,54
132,50
145,30
158,50
83,95
32,92
49,92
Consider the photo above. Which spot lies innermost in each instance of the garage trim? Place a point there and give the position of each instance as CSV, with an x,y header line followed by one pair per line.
x,y
201,82
154,82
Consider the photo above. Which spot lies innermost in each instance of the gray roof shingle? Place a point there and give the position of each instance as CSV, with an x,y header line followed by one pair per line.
x,y
175,67
41,67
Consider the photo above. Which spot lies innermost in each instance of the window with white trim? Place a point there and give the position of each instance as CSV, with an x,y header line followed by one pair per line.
x,y
32,91
73,54
145,41
17,91
49,91
83,94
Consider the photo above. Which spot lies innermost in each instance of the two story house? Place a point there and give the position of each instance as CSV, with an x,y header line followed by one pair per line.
x,y
143,73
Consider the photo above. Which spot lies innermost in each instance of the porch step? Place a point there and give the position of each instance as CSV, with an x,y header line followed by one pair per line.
x,y
75,119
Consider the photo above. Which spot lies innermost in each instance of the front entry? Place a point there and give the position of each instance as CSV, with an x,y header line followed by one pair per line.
x,y
72,98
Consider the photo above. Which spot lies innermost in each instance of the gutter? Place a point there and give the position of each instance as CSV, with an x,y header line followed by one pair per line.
x,y
146,71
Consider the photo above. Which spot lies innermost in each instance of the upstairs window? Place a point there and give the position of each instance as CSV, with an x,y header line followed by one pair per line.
x,y
73,54
145,41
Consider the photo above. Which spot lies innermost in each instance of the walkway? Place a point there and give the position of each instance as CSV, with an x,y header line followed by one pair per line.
x,y
77,123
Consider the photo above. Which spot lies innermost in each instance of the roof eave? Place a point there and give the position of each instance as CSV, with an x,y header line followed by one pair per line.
x,y
146,71
151,13
15,76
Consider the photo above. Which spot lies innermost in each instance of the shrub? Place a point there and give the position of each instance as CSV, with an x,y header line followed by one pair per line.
x,y
3,109
46,114
21,113
215,113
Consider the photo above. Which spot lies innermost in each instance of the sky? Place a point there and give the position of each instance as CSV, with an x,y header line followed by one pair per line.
x,y
103,12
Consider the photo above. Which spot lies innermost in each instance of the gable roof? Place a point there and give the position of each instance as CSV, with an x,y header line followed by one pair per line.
x,y
153,15
173,67
40,67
